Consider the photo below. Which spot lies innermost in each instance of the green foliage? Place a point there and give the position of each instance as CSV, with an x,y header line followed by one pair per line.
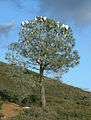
x,y
5,96
44,42
21,87
1,115
57,109
64,102
84,102
30,100
1,102
37,113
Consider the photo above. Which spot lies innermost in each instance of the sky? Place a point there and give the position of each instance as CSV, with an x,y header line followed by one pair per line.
x,y
75,13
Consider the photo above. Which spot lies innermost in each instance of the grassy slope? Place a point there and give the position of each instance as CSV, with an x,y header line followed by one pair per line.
x,y
62,99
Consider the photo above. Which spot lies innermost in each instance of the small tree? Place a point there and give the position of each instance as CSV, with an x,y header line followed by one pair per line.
x,y
46,44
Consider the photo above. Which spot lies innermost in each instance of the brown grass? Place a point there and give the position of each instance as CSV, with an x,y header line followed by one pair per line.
x,y
10,110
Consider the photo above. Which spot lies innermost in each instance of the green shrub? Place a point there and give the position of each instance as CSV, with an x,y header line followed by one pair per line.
x,y
1,115
1,102
6,96
84,102
37,113
31,99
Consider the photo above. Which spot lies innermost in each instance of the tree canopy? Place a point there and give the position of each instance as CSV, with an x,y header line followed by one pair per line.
x,y
44,42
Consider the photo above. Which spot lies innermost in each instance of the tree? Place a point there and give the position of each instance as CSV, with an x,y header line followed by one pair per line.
x,y
44,44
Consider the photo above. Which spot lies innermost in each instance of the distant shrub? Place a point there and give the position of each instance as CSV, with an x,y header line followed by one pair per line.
x,y
31,99
37,113
1,102
1,115
84,102
6,96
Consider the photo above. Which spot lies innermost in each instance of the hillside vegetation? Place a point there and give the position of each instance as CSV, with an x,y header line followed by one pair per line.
x,y
64,102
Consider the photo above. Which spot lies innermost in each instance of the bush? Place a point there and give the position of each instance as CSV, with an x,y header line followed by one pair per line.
x,y
1,115
84,102
6,96
1,102
31,99
37,113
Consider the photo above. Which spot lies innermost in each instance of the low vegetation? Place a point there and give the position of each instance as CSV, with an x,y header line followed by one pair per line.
x,y
64,102
1,102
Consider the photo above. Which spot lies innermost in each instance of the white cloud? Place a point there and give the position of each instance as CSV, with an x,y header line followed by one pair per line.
x,y
6,28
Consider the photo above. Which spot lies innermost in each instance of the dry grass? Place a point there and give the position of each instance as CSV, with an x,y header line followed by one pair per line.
x,y
10,110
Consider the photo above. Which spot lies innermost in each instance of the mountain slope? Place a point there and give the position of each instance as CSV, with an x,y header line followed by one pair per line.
x,y
21,82
18,85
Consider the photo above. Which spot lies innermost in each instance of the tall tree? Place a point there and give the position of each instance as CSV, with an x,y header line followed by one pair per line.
x,y
44,44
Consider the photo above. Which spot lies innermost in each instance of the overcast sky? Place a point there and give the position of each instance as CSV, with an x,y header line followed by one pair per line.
x,y
75,13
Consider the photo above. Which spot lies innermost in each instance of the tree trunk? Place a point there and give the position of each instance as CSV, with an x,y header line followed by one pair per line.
x,y
42,90
43,96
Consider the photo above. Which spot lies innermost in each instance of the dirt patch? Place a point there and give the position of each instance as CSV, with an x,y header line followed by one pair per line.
x,y
10,110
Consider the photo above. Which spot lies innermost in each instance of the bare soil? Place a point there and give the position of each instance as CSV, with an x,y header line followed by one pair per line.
x,y
10,110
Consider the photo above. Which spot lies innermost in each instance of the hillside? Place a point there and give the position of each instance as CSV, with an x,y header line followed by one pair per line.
x,y
64,102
